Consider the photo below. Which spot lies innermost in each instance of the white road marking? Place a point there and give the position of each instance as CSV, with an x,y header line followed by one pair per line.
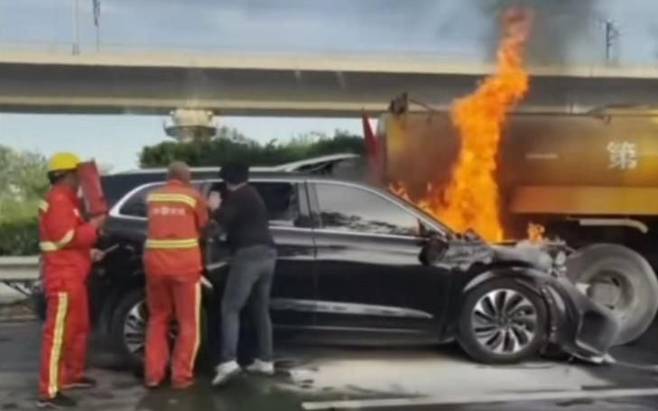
x,y
475,398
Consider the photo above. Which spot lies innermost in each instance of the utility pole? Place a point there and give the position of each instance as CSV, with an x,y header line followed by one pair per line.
x,y
611,34
96,5
76,28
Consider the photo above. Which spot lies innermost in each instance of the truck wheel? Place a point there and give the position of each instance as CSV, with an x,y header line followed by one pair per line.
x,y
620,279
502,322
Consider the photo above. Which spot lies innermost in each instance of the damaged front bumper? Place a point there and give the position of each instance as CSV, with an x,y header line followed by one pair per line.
x,y
579,326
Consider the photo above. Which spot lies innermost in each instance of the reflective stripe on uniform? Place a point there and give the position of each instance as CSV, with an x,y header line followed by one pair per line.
x,y
171,198
172,244
57,245
43,206
56,349
197,319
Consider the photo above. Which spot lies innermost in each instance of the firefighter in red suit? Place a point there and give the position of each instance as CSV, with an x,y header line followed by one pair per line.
x,y
177,215
66,241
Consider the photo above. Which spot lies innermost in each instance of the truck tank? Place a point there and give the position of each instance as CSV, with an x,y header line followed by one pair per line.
x,y
585,165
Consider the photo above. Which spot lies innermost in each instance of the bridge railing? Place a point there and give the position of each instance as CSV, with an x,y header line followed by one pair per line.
x,y
71,48
450,57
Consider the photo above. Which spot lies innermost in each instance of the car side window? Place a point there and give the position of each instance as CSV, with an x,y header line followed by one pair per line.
x,y
281,199
352,209
135,206
282,202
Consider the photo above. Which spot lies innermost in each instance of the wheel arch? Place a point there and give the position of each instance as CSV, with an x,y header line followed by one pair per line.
x,y
107,312
524,276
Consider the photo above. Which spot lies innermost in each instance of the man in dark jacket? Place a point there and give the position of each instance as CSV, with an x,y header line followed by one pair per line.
x,y
244,218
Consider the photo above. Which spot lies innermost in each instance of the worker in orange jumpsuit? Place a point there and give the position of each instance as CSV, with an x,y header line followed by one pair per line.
x,y
66,242
177,215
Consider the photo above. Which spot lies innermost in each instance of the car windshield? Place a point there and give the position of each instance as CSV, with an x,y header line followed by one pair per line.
x,y
409,204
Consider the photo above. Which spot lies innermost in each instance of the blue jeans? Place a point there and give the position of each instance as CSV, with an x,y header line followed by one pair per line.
x,y
252,271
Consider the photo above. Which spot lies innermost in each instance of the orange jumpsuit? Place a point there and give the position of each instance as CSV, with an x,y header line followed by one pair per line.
x,y
177,214
66,241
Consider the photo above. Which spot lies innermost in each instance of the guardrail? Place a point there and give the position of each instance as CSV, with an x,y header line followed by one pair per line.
x,y
19,268
19,273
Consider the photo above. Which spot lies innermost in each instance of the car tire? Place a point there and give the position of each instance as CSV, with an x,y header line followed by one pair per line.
x,y
128,329
502,322
130,312
621,279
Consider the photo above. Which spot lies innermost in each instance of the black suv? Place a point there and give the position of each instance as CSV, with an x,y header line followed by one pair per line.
x,y
359,265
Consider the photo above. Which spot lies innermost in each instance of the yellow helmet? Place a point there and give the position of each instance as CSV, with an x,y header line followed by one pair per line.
x,y
63,162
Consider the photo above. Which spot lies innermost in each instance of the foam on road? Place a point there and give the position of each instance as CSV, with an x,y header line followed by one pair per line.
x,y
438,374
322,378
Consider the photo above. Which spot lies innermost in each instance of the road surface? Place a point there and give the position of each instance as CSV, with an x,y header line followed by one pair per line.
x,y
421,378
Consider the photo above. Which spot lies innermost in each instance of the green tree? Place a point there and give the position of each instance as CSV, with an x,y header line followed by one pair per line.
x,y
23,183
231,145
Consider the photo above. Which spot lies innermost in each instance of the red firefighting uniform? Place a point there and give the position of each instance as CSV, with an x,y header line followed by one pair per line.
x,y
172,259
66,241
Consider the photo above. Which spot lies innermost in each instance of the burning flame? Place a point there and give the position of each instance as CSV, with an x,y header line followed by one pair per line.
x,y
471,199
536,233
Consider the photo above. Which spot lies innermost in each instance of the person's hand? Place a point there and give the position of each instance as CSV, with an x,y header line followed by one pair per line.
x,y
96,255
99,221
214,201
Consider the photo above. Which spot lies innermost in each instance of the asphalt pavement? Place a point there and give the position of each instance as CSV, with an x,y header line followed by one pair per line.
x,y
328,378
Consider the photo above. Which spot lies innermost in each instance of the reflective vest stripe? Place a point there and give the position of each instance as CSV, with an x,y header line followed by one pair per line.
x,y
197,323
43,206
58,338
171,198
171,244
57,245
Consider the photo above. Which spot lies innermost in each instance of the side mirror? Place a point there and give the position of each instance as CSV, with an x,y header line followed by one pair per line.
x,y
421,230
433,251
424,231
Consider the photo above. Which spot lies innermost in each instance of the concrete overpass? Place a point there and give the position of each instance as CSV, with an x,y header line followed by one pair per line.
x,y
276,84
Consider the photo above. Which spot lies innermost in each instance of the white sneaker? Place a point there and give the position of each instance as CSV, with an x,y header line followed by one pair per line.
x,y
261,367
224,372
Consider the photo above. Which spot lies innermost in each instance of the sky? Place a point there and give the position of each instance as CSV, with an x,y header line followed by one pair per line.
x,y
567,31
116,140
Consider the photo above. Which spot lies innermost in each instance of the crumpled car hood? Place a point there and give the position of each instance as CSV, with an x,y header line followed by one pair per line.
x,y
524,252
464,253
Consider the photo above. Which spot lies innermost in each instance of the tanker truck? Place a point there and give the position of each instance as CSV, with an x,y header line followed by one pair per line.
x,y
591,181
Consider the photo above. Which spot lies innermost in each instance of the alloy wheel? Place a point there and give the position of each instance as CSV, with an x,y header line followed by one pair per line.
x,y
504,321
134,329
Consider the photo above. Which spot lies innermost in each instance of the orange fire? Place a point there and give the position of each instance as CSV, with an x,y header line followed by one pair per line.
x,y
471,199
536,233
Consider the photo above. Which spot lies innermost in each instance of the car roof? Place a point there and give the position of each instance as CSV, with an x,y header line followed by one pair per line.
x,y
286,167
117,185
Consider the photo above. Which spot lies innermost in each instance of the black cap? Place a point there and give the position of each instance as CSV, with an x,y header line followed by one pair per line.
x,y
235,173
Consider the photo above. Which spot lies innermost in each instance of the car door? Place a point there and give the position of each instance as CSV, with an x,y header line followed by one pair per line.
x,y
289,218
368,270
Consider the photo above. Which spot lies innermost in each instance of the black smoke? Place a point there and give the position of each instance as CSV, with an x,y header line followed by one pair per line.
x,y
558,26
